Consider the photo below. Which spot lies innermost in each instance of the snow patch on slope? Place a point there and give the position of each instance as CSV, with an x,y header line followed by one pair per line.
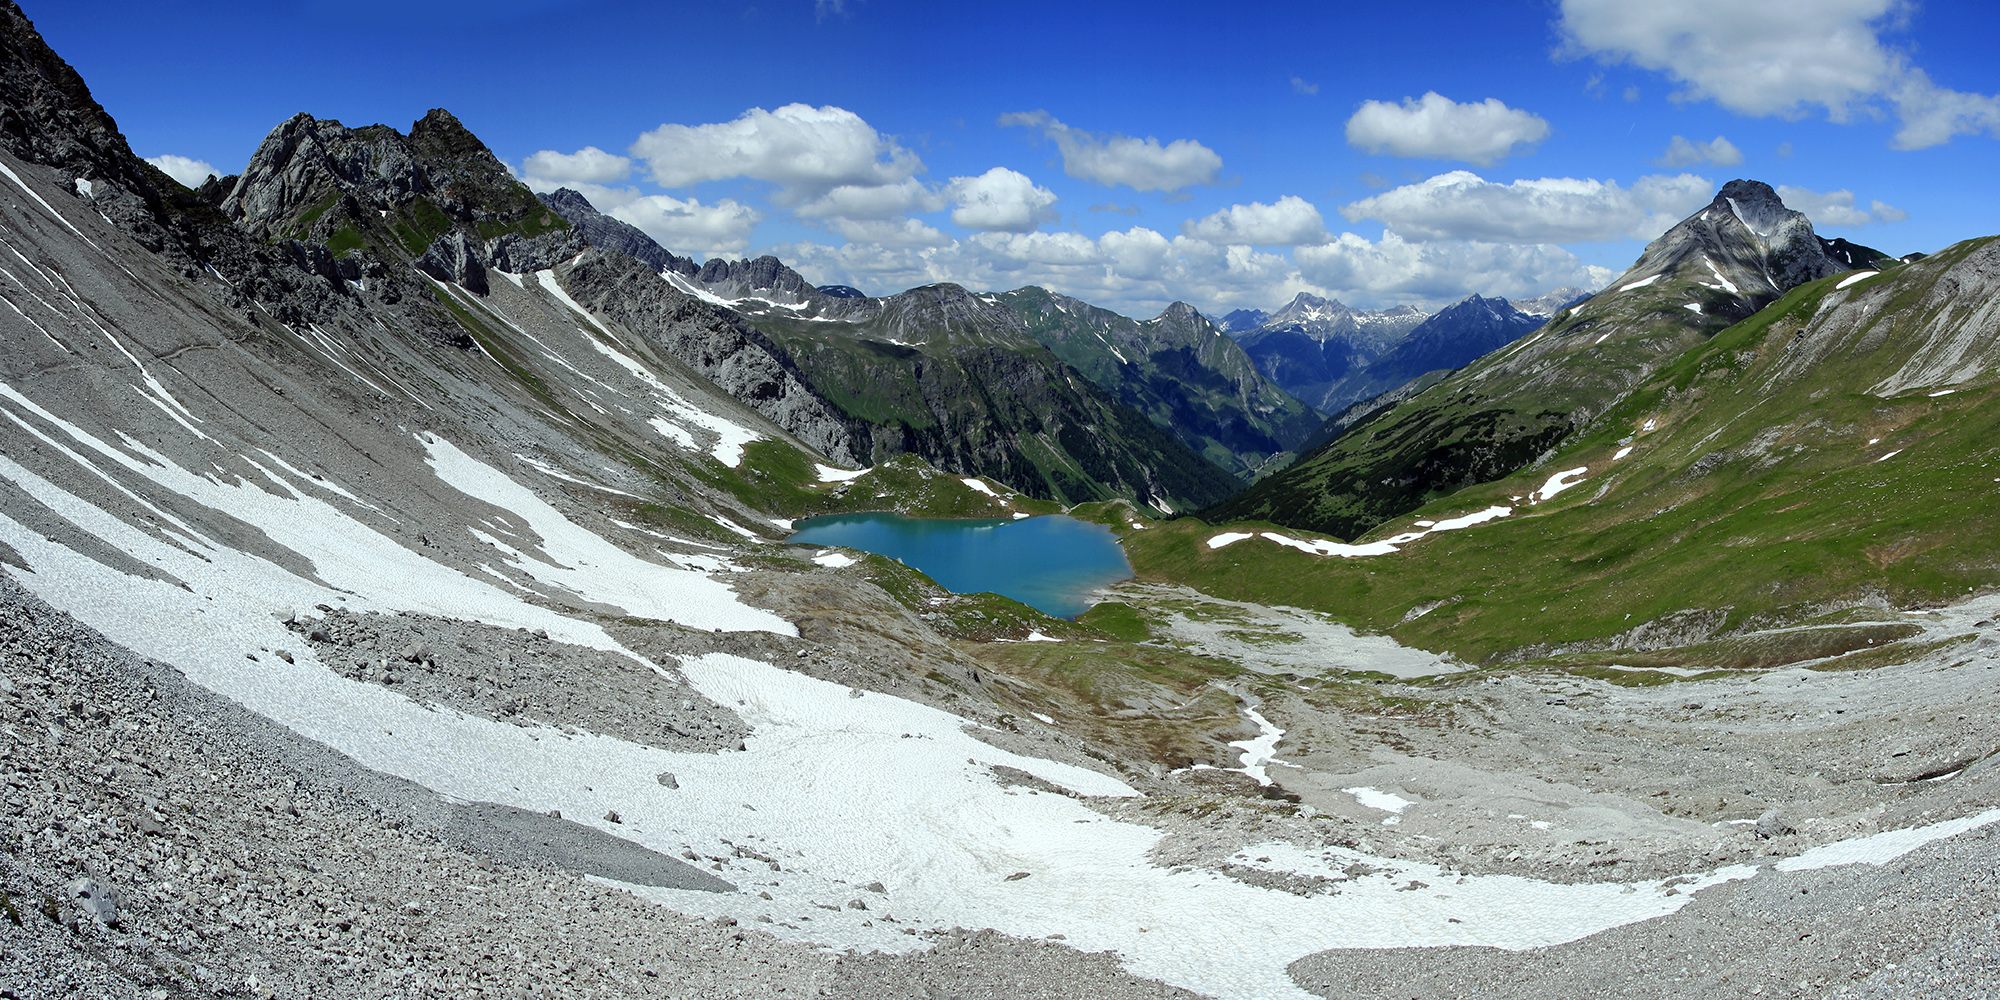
x,y
1383,547
829,474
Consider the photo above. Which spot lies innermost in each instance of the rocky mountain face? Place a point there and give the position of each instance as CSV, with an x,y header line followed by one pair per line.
x,y
1179,370
437,194
1508,409
1238,321
606,233
1854,256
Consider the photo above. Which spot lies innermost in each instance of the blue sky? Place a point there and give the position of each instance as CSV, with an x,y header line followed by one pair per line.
x,y
1128,154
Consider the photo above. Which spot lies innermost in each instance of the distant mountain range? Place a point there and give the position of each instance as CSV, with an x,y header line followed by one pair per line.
x,y
1509,408
1331,355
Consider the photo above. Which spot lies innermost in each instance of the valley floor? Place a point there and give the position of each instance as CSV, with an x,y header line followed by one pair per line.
x,y
1539,834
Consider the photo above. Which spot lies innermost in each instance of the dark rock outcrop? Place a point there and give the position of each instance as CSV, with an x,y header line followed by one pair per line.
x,y
606,233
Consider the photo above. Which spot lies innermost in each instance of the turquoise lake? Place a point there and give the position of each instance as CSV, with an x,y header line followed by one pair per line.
x,y
1049,563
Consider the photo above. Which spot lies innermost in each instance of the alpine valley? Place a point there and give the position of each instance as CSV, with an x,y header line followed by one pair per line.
x,y
396,603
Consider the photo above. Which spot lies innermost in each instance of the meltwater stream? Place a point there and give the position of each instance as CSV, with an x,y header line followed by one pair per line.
x,y
1049,563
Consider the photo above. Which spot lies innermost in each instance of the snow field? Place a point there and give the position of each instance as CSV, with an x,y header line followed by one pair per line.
x,y
1260,750
1374,798
1557,483
823,768
829,474
1883,848
1328,547
593,569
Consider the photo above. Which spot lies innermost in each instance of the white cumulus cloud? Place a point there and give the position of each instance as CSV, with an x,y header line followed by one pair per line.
x,y
1781,57
1436,127
1138,271
1393,268
588,165
189,172
883,201
1112,160
1462,206
806,151
1000,200
1837,208
1683,152
723,227
1292,221
889,232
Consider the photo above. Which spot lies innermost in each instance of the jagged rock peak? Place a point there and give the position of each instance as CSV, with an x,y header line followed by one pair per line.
x,y
1305,307
1552,302
374,190
606,233
1755,203
1182,314
1746,240
763,274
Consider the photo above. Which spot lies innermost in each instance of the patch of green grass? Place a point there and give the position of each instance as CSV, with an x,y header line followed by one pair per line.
x,y
311,215
1890,655
418,223
345,240
1117,620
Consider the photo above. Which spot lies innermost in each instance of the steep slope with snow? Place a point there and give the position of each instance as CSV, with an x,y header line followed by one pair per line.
x,y
404,617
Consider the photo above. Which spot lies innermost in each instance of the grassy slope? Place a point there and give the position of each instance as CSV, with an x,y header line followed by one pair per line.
x,y
1755,496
